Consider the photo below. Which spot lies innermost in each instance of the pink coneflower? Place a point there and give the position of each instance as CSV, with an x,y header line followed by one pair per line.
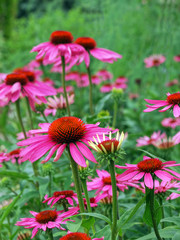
x,y
3,158
102,183
14,156
95,79
79,236
69,89
144,141
60,196
176,138
17,85
172,83
72,76
106,88
172,101
121,79
44,220
60,44
93,201
64,132
171,122
161,187
154,60
53,104
133,96
102,54
83,80
174,195
146,168
119,85
177,58
165,142
104,74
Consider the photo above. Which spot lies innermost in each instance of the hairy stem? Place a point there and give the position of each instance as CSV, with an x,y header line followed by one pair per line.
x,y
90,91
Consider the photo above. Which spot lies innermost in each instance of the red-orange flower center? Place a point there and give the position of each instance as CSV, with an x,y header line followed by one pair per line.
x,y
15,152
173,98
46,216
16,77
156,62
108,145
107,180
67,193
150,165
67,130
30,75
87,42
61,37
76,236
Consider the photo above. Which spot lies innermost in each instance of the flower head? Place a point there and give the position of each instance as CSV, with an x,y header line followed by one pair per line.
x,y
64,132
60,196
108,144
154,60
172,101
60,44
146,168
177,58
171,122
53,104
14,156
102,54
144,141
172,83
43,220
165,142
79,236
104,74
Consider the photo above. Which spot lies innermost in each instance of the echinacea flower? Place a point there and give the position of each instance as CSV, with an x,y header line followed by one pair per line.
x,y
102,184
154,60
17,85
177,58
104,74
107,144
3,158
171,122
60,196
64,132
14,156
53,104
102,54
172,101
165,142
172,83
144,141
44,220
69,89
146,168
161,187
60,44
106,88
79,236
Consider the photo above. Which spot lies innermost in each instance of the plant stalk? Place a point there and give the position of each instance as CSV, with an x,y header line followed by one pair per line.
x,y
114,203
30,113
64,85
20,118
115,114
90,91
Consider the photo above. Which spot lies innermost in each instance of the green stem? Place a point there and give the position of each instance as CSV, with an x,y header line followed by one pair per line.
x,y
115,114
19,117
114,203
90,91
45,118
30,113
162,209
64,85
84,185
50,181
77,182
153,214
12,191
50,234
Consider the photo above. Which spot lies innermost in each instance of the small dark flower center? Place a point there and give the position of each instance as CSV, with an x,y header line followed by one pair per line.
x,y
76,236
173,98
61,37
46,216
87,42
107,180
16,77
67,130
150,165
156,61
15,152
67,193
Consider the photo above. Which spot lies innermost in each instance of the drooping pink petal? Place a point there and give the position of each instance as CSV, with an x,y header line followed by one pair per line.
x,y
59,152
76,155
86,152
176,111
148,181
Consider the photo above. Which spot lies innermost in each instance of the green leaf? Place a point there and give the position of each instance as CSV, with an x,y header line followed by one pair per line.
x,y
88,223
176,236
105,232
14,174
164,233
9,208
175,220
97,215
101,103
147,214
74,226
129,214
